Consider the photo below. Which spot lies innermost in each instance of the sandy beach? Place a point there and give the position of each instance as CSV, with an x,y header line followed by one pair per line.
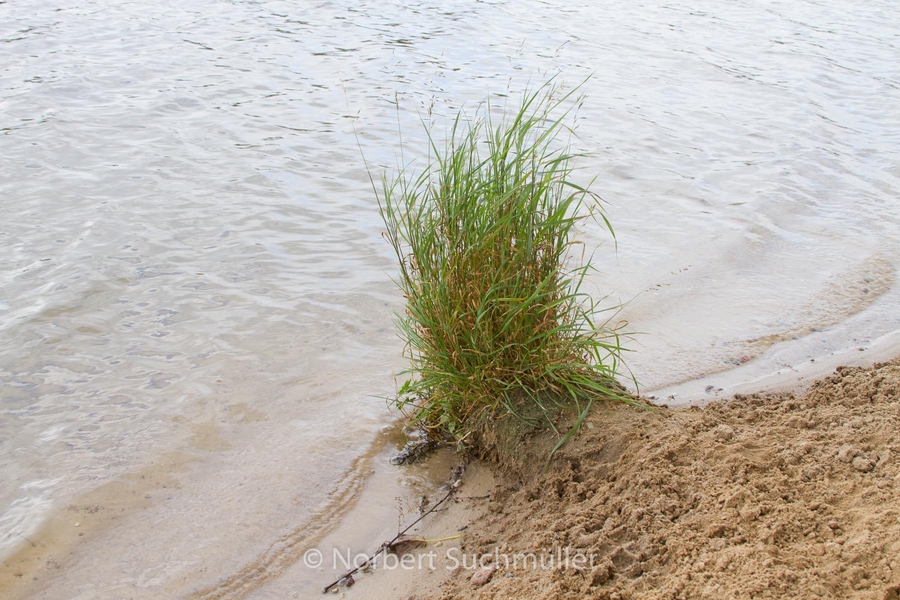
x,y
774,495
771,495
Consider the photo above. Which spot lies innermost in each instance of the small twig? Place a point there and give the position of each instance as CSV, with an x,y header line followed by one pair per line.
x,y
387,545
485,497
33,545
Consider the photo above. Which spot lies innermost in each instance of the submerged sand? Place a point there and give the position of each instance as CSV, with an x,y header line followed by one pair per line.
x,y
760,496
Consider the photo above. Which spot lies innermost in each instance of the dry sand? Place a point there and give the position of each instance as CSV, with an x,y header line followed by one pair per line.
x,y
761,496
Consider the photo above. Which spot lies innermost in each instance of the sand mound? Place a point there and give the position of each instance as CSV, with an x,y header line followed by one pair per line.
x,y
758,497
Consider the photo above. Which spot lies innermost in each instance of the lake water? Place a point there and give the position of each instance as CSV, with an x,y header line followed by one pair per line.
x,y
195,298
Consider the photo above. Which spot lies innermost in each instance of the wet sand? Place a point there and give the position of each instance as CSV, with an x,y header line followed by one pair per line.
x,y
76,552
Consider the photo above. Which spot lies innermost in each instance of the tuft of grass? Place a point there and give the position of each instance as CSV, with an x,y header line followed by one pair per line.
x,y
496,324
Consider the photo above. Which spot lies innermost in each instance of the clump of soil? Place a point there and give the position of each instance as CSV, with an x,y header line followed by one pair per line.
x,y
758,497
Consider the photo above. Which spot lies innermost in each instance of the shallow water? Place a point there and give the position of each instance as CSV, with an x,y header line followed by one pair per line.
x,y
190,251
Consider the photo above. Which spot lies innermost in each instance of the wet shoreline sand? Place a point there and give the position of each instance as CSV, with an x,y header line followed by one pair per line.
x,y
763,481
